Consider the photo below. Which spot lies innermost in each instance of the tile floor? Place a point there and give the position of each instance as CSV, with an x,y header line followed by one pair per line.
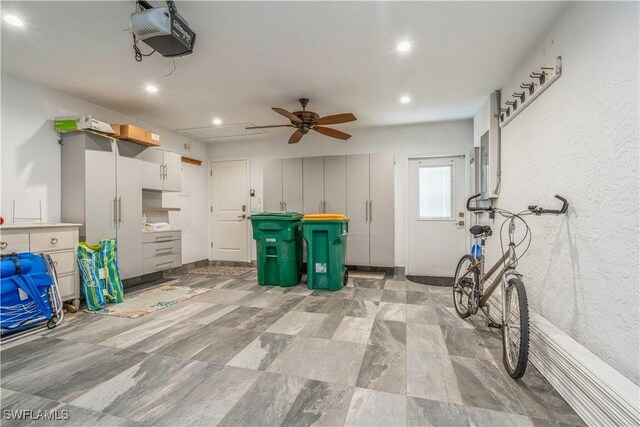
x,y
385,353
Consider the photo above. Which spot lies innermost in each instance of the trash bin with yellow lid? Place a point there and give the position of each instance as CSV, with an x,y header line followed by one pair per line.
x,y
326,237
278,237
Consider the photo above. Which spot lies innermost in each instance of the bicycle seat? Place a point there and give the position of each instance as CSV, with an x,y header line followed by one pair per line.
x,y
478,230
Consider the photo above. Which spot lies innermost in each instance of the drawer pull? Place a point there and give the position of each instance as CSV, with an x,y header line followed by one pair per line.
x,y
164,263
3,245
54,240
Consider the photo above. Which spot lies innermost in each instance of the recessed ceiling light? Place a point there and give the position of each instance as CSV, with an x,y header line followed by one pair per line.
x,y
404,46
217,121
13,20
151,88
405,99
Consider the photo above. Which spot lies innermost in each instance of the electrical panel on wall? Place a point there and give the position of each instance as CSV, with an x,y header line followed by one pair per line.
x,y
490,154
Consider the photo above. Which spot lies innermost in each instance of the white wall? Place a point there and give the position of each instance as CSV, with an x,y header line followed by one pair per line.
x,y
580,139
31,157
455,137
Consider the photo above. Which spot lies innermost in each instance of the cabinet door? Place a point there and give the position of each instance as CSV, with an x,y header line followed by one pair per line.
x,y
292,184
172,171
357,209
313,184
129,209
100,189
335,184
272,185
381,210
152,169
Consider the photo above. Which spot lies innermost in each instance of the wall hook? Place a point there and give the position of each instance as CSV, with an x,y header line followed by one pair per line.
x,y
519,95
512,104
531,86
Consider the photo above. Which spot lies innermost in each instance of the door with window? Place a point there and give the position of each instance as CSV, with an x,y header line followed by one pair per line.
x,y
229,211
436,228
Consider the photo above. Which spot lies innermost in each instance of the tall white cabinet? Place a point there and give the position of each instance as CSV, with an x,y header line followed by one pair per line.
x,y
282,181
102,189
370,208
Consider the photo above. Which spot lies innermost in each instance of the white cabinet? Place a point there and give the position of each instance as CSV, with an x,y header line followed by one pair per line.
x,y
370,208
161,250
335,184
58,241
313,185
102,190
161,170
283,185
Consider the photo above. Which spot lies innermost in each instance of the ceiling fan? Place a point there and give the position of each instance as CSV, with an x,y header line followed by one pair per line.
x,y
305,120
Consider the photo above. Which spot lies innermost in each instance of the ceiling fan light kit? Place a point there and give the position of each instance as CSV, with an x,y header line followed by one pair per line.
x,y
304,121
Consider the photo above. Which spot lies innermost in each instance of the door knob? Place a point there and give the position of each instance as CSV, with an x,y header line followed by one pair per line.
x,y
242,217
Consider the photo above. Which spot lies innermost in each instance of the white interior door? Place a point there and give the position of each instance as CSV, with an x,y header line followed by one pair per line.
x,y
292,184
313,185
230,225
436,239
358,209
129,192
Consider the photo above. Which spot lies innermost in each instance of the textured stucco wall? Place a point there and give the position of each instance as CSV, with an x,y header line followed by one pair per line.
x,y
580,139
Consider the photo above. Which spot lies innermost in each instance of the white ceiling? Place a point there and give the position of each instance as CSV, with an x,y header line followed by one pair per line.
x,y
250,56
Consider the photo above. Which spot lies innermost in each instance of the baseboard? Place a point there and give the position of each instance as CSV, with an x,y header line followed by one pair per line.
x,y
186,267
599,394
232,263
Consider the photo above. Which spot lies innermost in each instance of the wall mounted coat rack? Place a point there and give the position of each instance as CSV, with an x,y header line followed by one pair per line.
x,y
529,91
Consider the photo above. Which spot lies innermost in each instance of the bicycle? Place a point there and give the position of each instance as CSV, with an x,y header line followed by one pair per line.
x,y
469,294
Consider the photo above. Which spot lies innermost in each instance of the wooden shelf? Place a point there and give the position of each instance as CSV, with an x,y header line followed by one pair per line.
x,y
156,209
191,160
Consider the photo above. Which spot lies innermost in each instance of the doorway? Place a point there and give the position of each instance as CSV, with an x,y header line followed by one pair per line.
x,y
436,236
229,211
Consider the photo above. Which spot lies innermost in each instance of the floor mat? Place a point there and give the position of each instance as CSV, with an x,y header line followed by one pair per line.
x,y
369,275
431,280
145,302
221,270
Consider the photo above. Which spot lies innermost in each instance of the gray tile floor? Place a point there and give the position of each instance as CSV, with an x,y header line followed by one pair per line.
x,y
385,353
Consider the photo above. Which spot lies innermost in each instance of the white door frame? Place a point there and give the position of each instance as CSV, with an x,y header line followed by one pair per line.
x,y
219,159
406,195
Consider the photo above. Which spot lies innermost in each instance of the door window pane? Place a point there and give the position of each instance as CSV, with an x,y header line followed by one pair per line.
x,y
435,186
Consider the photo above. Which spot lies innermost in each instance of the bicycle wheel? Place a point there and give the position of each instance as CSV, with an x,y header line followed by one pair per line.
x,y
465,283
515,330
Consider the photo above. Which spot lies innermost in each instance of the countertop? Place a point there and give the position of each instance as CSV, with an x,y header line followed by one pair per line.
x,y
38,225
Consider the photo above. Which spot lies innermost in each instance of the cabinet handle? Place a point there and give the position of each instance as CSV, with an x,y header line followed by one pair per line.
x,y
285,205
165,171
370,211
115,210
54,240
164,263
366,211
120,210
3,245
161,172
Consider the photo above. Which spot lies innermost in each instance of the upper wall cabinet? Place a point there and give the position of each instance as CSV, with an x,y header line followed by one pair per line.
x,y
161,170
283,185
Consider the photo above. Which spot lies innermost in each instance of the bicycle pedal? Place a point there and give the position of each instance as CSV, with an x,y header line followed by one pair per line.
x,y
487,320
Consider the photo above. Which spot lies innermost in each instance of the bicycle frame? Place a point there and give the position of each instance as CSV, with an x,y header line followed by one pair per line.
x,y
510,256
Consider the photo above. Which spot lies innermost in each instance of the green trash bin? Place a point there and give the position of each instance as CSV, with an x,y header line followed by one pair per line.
x,y
278,237
326,237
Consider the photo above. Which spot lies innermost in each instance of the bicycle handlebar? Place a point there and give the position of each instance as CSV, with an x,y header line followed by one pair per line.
x,y
563,210
533,208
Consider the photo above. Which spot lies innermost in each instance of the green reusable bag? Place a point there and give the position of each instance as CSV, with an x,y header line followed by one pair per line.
x,y
109,262
89,266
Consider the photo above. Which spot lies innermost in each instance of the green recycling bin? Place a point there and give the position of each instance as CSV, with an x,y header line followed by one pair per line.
x,y
326,237
278,237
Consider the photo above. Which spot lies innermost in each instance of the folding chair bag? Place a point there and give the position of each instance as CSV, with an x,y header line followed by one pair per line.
x,y
109,262
93,286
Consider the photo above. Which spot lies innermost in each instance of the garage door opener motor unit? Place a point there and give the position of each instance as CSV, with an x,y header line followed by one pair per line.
x,y
163,29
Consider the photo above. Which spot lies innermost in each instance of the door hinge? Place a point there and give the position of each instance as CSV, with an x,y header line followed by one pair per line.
x,y
211,209
211,245
210,173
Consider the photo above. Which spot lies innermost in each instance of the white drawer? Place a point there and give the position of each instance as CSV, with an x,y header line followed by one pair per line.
x,y
14,243
160,263
64,262
161,236
150,250
67,287
52,240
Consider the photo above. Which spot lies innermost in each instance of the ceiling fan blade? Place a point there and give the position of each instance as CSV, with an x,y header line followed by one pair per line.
x,y
333,133
336,119
296,137
287,114
272,126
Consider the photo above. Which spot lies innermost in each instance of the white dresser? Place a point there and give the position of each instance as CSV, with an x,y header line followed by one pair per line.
x,y
59,240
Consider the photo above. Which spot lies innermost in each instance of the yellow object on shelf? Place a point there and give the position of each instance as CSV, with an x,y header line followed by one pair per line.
x,y
324,217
